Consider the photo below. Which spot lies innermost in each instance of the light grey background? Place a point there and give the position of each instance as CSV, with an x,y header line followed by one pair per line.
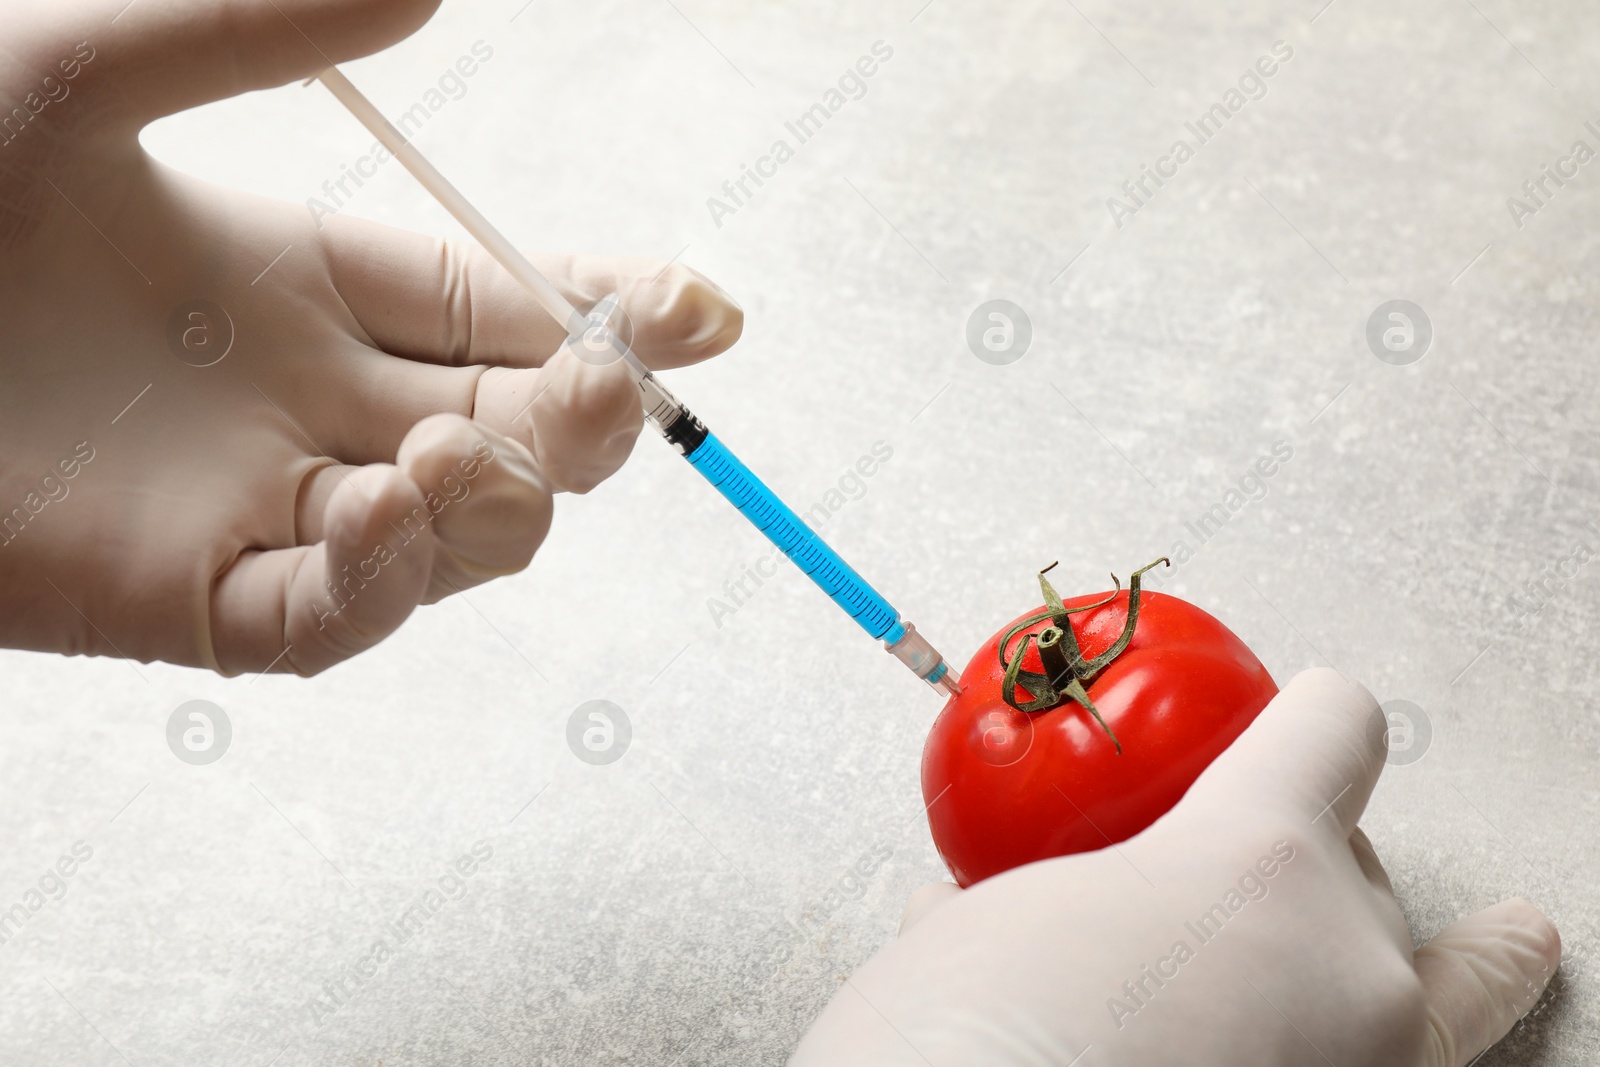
x,y
641,912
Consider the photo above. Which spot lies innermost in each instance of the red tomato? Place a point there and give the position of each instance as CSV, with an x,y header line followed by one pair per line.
x,y
1006,787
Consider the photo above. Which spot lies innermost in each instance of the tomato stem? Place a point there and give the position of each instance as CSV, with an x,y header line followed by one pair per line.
x,y
1066,673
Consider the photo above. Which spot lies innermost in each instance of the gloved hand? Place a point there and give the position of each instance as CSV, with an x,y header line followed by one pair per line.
x,y
1252,924
350,455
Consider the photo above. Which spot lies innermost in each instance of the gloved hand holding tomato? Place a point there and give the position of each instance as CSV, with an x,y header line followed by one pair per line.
x,y
1080,724
1251,924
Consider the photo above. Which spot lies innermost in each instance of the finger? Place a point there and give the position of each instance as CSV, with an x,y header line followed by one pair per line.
x,y
1481,974
578,420
369,401
1313,755
489,506
450,302
159,57
924,901
311,503
304,609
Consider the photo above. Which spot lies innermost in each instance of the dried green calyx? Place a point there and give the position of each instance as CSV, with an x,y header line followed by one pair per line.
x,y
1066,673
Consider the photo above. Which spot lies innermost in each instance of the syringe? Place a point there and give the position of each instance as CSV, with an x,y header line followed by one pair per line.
x,y
595,338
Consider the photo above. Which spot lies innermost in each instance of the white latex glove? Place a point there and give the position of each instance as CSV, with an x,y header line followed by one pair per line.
x,y
1310,964
351,437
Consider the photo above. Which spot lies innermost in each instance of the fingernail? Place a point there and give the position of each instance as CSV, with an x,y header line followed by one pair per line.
x,y
722,294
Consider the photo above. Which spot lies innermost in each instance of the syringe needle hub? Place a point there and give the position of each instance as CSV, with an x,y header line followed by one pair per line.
x,y
916,652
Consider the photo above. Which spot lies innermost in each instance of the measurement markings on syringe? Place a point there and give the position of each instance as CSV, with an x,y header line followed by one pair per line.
x,y
849,487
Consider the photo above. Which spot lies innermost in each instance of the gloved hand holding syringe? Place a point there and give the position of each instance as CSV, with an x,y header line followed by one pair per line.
x,y
597,338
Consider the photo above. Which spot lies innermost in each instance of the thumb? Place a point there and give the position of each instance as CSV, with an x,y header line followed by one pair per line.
x,y
158,57
1314,754
1481,974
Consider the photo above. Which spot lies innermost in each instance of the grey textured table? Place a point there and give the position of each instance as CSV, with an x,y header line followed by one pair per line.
x,y
688,903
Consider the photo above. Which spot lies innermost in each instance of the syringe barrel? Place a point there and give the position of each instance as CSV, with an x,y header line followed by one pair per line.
x,y
790,534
